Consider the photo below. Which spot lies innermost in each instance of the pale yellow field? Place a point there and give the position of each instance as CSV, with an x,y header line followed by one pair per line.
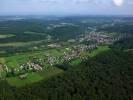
x,y
6,36
17,44
2,60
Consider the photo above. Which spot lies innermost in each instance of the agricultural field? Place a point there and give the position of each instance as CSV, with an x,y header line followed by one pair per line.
x,y
6,36
19,44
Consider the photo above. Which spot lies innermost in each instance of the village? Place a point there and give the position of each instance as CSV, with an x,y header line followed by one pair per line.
x,y
38,64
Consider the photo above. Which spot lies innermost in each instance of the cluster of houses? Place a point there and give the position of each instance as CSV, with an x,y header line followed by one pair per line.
x,y
97,37
51,26
22,69
30,66
37,64
76,51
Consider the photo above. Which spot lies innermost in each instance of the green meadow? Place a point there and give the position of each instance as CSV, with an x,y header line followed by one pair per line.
x,y
98,50
34,77
6,35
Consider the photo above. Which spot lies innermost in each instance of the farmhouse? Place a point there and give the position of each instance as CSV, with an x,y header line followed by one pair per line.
x,y
23,76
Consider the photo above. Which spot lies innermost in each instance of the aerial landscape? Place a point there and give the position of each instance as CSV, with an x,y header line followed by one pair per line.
x,y
49,52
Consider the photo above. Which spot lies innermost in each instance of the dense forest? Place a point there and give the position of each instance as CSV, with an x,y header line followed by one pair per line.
x,y
108,76
124,43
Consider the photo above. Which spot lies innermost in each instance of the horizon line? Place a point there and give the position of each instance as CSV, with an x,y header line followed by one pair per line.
x,y
68,15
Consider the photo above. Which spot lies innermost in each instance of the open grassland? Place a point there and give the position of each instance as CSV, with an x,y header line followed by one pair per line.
x,y
19,44
6,36
2,60
75,62
34,77
92,54
49,72
20,58
98,50
17,59
31,78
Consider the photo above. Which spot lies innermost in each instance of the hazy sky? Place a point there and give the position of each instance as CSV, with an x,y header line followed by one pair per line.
x,y
66,7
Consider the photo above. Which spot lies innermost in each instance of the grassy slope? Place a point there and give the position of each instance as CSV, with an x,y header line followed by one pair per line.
x,y
34,77
99,50
16,60
31,78
92,54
